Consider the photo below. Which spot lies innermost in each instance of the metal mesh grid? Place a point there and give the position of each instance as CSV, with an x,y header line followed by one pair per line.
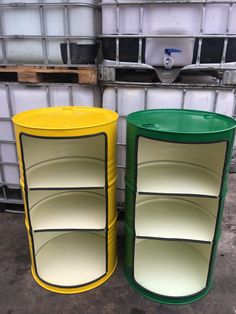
x,y
200,35
44,37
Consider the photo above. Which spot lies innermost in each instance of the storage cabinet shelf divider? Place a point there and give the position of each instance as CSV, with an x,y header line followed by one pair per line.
x,y
68,178
176,181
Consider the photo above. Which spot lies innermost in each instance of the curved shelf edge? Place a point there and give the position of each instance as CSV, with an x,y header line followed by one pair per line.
x,y
65,173
72,259
177,178
174,219
160,268
69,211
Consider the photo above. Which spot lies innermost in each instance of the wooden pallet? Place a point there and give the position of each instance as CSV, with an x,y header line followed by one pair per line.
x,y
37,74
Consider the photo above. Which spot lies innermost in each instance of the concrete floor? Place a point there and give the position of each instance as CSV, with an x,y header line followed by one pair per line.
x,y
19,293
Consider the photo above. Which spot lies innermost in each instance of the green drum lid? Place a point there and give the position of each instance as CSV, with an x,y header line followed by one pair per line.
x,y
181,121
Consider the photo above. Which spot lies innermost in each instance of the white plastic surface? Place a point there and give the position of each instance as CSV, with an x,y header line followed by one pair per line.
x,y
175,218
168,19
70,210
71,259
67,173
171,268
82,21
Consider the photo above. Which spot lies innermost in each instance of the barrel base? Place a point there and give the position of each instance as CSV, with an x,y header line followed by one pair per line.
x,y
163,299
72,290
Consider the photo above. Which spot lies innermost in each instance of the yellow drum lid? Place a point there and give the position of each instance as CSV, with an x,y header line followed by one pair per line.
x,y
65,118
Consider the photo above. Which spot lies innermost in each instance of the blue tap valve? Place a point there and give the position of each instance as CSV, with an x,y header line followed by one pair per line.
x,y
169,51
168,59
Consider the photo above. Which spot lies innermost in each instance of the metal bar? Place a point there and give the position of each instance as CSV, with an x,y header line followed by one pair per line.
x,y
140,42
10,106
229,15
183,98
11,201
145,98
2,174
116,100
5,119
224,51
43,32
165,2
141,10
49,4
169,36
77,66
4,52
203,13
9,184
121,144
216,95
71,99
227,31
7,142
234,106
6,163
169,86
198,61
48,92
117,19
120,167
118,32
16,36
117,51
40,84
66,32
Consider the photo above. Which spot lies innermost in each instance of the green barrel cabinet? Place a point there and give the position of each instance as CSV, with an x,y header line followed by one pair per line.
x,y
176,181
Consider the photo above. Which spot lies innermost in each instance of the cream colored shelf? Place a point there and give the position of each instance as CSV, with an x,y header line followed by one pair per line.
x,y
171,268
67,173
177,178
70,210
70,259
174,218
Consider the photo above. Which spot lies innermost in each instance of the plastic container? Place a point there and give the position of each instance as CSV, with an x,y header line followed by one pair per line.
x,y
68,179
179,26
33,31
176,181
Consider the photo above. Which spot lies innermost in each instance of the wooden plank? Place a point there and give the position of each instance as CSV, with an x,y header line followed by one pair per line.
x,y
32,74
28,77
88,77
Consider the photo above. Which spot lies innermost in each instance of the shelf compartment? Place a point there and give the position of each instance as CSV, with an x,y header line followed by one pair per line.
x,y
69,259
171,268
191,218
64,162
177,168
69,210
67,173
177,178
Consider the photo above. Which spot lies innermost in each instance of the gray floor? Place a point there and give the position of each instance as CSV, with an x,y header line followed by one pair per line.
x,y
19,293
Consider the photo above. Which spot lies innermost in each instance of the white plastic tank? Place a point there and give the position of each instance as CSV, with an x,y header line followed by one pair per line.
x,y
168,19
26,18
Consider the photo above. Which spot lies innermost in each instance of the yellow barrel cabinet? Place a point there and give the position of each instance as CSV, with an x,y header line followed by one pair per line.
x,y
67,160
